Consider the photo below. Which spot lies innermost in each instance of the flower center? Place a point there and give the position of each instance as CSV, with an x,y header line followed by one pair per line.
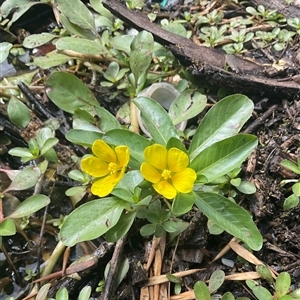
x,y
112,168
166,174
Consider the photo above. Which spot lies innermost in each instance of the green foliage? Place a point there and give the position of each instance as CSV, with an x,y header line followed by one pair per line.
x,y
216,150
293,199
281,286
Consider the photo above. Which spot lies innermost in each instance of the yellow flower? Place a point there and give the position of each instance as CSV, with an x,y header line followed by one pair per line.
x,y
167,170
107,165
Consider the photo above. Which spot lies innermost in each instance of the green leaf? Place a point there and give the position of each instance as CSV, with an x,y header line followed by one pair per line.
x,y
290,202
173,278
49,144
50,60
62,294
135,142
36,40
81,45
122,42
77,13
201,291
282,284
265,272
156,120
18,112
85,293
26,179
74,29
216,280
222,157
107,120
69,93
30,206
83,137
230,217
121,228
7,228
223,120
295,294
130,181
91,220
147,229
296,189
21,152
183,203
228,296
186,106
246,187
290,166
262,293
4,51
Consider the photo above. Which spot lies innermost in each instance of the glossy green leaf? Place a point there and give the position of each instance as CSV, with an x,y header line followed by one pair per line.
x,y
30,206
18,112
121,228
230,217
26,179
186,106
81,45
216,280
96,218
36,40
83,137
77,13
223,120
135,142
69,93
282,284
50,60
290,166
4,51
222,157
156,120
183,203
201,291
7,228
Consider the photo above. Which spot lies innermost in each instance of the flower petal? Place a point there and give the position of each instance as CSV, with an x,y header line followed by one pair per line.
x,y
183,181
104,152
177,160
94,166
150,173
156,155
166,189
122,155
103,186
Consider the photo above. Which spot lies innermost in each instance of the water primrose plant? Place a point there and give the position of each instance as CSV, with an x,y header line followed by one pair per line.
x,y
157,178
